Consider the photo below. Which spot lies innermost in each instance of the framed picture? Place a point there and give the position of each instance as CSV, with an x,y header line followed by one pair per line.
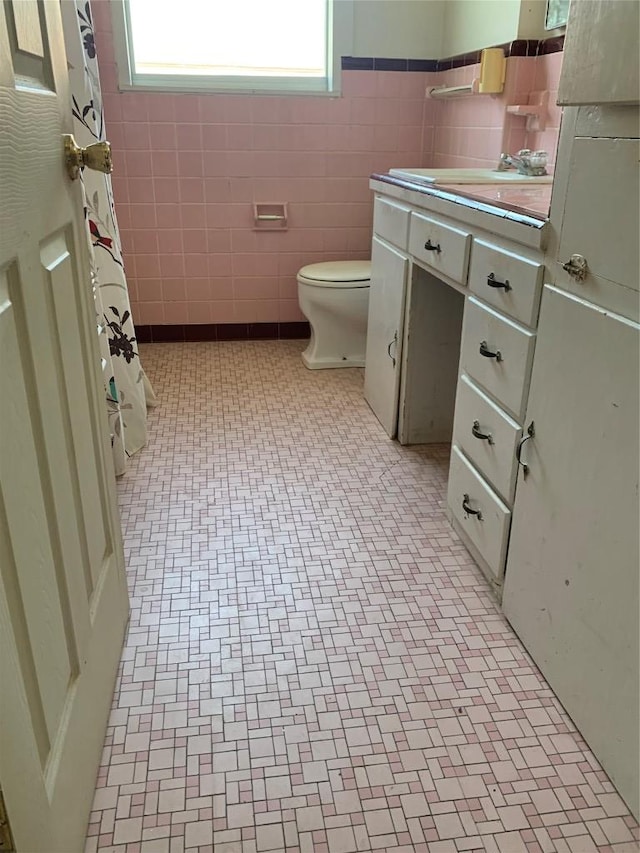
x,y
557,14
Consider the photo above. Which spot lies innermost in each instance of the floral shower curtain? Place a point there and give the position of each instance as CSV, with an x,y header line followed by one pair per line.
x,y
128,391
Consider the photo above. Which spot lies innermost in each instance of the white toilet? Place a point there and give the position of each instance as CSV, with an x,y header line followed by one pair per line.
x,y
334,297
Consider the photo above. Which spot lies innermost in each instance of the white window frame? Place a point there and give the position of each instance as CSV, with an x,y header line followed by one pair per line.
x,y
339,44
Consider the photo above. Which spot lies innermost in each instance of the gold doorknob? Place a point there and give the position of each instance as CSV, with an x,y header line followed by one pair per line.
x,y
96,156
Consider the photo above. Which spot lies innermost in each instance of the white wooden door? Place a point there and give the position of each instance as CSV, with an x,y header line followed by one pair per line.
x,y
63,598
385,332
571,585
601,53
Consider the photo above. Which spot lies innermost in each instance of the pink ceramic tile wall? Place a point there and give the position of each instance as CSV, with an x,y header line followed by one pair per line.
x,y
473,131
547,78
188,168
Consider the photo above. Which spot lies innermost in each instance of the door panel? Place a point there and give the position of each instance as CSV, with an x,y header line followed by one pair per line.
x,y
385,333
601,61
26,18
63,598
39,602
57,260
28,44
601,221
571,586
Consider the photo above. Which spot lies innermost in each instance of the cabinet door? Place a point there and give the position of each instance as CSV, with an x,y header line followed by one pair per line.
x,y
600,62
384,333
571,586
601,222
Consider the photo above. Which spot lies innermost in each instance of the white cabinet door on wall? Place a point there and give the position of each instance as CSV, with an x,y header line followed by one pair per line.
x,y
601,222
600,62
384,333
571,586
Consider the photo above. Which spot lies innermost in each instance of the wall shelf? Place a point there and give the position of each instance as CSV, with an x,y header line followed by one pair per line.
x,y
535,112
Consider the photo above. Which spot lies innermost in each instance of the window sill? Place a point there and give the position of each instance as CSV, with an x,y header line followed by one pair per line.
x,y
205,88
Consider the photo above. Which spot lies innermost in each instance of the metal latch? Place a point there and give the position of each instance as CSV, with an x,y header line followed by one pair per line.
x,y
576,266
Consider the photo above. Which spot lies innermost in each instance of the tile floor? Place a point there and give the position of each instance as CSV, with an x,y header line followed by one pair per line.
x,y
313,661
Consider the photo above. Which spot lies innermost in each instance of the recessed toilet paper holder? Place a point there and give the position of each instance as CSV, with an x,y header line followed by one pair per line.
x,y
270,216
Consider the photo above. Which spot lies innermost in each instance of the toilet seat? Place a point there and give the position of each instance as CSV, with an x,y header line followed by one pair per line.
x,y
339,274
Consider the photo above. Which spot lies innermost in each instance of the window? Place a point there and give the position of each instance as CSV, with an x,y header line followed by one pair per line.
x,y
229,45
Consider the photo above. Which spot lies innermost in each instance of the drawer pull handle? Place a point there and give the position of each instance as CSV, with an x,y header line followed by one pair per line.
x,y
484,436
486,352
492,281
467,509
531,431
430,247
391,343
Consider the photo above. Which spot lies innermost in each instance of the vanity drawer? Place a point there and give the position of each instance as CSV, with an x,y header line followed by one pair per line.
x,y
391,222
492,266
488,531
505,367
494,455
443,248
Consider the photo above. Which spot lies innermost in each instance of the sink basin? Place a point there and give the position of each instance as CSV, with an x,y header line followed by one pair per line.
x,y
467,176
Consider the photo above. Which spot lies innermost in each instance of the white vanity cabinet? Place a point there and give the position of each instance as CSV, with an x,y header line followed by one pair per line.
x,y
453,310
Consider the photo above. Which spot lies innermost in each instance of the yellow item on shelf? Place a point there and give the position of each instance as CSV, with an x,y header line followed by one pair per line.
x,y
493,70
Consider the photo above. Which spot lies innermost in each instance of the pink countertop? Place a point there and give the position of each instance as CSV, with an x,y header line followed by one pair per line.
x,y
534,200
528,205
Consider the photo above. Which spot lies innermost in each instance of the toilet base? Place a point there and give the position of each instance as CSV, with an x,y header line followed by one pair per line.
x,y
338,319
320,363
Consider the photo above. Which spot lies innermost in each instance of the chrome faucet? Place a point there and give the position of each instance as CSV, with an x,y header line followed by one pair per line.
x,y
526,162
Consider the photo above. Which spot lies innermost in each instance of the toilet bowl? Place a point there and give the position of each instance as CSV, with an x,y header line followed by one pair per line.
x,y
334,297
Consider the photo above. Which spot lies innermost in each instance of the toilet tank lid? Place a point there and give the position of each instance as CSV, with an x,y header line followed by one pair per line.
x,y
337,271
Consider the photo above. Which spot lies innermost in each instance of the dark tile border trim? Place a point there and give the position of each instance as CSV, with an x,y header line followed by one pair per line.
x,y
520,47
222,332
357,63
422,64
551,45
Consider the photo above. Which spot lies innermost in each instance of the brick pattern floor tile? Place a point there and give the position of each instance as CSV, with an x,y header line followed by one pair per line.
x,y
314,664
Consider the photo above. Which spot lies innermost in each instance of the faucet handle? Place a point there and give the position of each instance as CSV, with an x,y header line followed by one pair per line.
x,y
538,160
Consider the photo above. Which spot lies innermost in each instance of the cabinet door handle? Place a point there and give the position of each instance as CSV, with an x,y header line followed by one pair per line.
x,y
467,509
431,247
492,281
577,267
484,436
486,352
391,343
531,431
